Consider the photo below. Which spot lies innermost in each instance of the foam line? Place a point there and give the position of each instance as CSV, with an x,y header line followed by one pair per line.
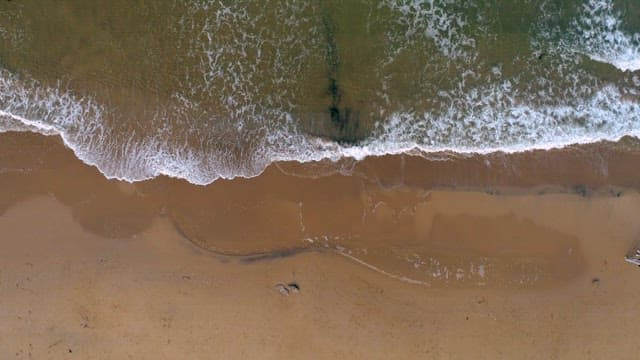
x,y
601,36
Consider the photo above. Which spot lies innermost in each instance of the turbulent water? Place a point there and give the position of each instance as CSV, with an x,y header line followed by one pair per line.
x,y
204,89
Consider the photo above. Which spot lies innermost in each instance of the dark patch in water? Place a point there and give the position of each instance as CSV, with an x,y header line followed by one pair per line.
x,y
343,119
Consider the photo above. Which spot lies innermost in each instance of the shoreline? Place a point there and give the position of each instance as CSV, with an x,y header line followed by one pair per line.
x,y
592,154
293,208
333,198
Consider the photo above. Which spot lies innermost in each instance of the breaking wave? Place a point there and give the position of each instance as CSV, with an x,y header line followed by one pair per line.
x,y
600,35
225,119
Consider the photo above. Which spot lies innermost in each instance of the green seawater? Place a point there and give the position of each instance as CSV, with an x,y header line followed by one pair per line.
x,y
207,89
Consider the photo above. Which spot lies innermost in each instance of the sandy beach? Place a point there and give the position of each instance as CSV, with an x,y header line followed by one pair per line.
x,y
513,266
331,179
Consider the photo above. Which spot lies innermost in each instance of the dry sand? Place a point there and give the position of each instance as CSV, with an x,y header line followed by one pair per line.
x,y
522,264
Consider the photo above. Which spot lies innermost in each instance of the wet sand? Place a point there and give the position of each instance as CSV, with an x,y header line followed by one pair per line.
x,y
505,256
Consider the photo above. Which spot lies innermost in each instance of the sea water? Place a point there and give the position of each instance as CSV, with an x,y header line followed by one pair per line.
x,y
204,89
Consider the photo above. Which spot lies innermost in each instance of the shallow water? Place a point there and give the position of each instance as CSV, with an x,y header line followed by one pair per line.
x,y
208,89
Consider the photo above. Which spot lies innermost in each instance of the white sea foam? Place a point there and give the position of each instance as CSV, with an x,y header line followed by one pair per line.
x,y
255,123
599,34
433,20
484,128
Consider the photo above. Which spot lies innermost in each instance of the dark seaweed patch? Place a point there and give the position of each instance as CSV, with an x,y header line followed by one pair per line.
x,y
334,112
343,119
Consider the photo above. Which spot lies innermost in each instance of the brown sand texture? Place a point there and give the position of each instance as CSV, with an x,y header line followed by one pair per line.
x,y
495,257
